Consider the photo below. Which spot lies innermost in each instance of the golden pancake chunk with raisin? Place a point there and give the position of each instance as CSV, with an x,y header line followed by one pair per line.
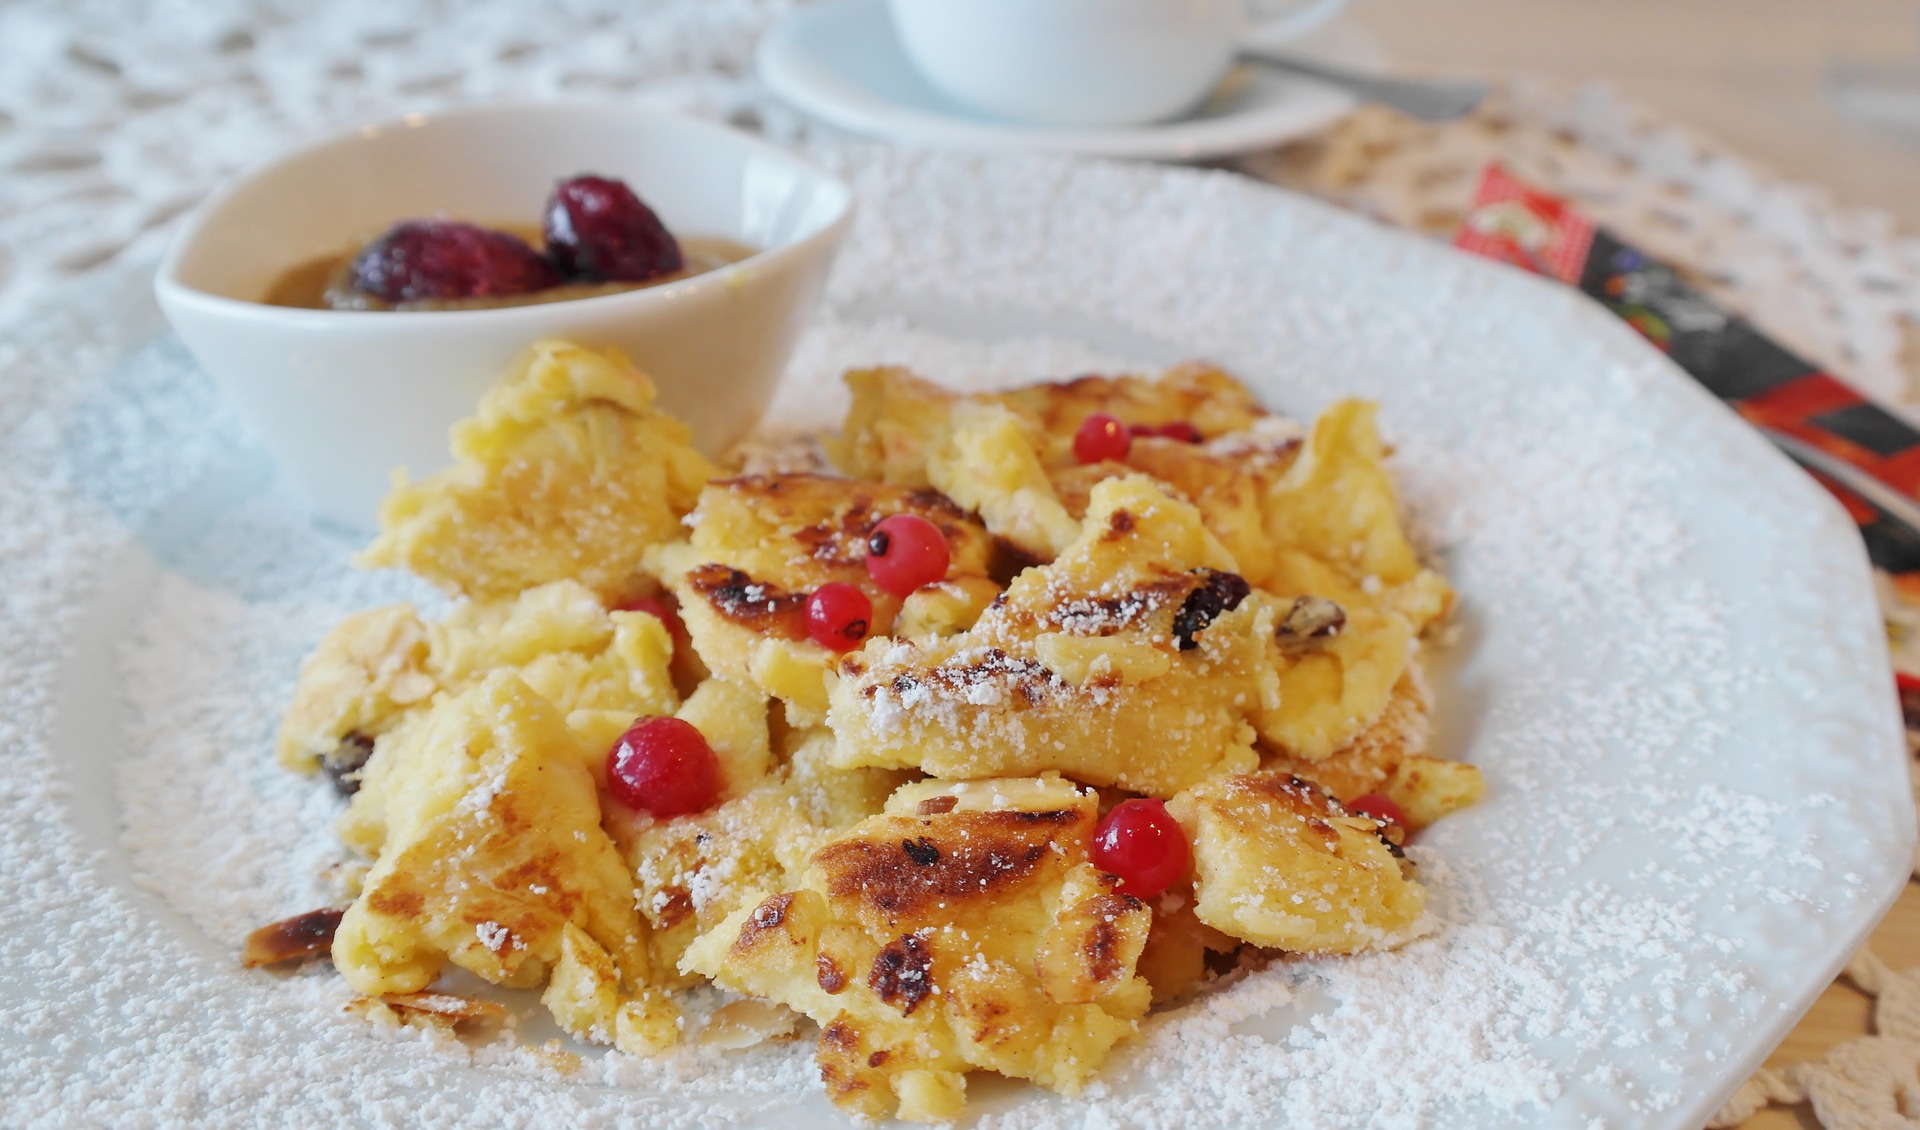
x,y
1334,520
1336,669
378,670
1135,659
761,544
1279,863
493,849
379,667
964,929
567,471
365,675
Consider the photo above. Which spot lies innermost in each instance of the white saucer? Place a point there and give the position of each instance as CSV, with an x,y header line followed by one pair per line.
x,y
839,61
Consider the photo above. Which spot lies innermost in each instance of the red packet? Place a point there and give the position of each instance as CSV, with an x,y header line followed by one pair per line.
x,y
1518,224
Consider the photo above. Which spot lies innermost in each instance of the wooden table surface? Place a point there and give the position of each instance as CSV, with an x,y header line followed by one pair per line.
x,y
1749,72
1753,74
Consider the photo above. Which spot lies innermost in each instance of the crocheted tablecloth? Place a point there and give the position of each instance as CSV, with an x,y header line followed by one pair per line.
x,y
116,117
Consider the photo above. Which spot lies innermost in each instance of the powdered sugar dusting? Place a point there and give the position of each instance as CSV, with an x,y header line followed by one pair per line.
x,y
1663,641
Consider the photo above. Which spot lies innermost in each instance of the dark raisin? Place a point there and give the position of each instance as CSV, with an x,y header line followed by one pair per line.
x,y
343,764
921,851
1218,592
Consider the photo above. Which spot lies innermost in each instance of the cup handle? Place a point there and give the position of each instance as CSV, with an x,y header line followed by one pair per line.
x,y
1275,22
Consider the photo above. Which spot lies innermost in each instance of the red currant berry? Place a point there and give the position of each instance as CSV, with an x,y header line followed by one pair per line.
x,y
597,229
1142,844
662,611
838,616
1100,438
443,259
663,766
1180,430
906,552
1376,807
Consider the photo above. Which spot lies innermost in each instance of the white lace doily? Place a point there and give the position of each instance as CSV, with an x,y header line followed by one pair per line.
x,y
116,117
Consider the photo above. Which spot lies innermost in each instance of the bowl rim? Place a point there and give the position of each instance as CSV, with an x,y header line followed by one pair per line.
x,y
170,289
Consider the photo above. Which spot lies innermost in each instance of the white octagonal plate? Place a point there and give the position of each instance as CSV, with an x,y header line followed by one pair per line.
x,y
1670,666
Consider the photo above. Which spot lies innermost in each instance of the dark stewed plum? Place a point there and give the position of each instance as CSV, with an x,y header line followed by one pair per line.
x,y
599,239
597,230
443,259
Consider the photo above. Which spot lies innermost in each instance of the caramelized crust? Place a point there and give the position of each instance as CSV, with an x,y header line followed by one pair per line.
x,y
904,872
761,544
804,530
494,849
975,936
1192,392
754,606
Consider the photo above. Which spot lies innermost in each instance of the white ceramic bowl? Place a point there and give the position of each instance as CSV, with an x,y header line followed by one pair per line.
x,y
344,397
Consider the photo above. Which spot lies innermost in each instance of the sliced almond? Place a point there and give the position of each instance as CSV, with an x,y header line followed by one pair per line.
x,y
1311,621
298,938
742,1024
441,1010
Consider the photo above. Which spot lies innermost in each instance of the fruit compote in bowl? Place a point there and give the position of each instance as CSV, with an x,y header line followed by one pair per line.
x,y
355,298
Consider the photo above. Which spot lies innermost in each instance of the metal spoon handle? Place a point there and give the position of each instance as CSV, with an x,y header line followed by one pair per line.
x,y
1884,498
1430,100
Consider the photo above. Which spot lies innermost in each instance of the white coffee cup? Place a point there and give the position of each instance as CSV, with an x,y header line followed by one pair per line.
x,y
1088,62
